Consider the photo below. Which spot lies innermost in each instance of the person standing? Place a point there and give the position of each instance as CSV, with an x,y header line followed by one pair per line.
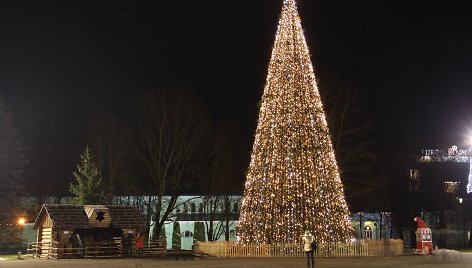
x,y
140,245
129,244
308,242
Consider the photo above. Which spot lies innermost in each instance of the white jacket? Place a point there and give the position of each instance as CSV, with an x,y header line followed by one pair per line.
x,y
307,239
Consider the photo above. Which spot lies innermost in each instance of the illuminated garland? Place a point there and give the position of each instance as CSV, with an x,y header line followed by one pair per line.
x,y
469,181
293,182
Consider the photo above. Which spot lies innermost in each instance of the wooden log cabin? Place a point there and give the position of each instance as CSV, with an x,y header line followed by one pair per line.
x,y
71,231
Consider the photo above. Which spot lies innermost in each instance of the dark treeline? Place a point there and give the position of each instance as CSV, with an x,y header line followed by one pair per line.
x,y
166,142
120,137
12,163
363,173
125,140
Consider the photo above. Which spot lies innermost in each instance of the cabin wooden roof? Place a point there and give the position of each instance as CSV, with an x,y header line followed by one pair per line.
x,y
63,216
124,217
75,217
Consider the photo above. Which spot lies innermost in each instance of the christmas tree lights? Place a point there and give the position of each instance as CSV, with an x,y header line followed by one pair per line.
x,y
293,182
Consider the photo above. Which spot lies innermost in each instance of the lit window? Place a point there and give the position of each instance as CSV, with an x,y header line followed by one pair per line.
x,y
414,182
235,208
187,234
367,233
200,207
414,174
451,187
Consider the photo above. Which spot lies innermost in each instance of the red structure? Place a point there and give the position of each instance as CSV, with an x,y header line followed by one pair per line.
x,y
424,238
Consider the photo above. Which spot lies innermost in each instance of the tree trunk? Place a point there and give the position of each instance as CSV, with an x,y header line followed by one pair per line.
x,y
148,217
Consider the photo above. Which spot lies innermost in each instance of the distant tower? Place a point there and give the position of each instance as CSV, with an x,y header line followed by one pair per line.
x,y
293,182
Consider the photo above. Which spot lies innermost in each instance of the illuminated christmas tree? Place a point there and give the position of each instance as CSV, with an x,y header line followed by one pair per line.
x,y
293,182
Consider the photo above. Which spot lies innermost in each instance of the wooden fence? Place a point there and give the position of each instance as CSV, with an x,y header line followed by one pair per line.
x,y
386,247
42,250
232,250
155,248
52,250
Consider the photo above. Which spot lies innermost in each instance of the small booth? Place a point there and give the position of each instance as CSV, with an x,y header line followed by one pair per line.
x,y
424,238
75,231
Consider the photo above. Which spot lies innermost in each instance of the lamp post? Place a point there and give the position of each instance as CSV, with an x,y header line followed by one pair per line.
x,y
21,222
462,205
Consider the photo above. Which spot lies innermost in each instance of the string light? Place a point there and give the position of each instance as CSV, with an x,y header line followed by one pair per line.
x,y
293,182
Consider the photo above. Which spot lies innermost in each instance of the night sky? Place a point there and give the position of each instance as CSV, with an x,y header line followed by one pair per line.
x,y
62,62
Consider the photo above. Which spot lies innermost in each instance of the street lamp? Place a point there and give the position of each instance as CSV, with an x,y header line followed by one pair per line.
x,y
464,213
21,222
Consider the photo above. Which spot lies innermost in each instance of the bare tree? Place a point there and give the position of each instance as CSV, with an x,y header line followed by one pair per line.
x,y
230,213
219,180
170,126
349,127
212,208
112,144
219,215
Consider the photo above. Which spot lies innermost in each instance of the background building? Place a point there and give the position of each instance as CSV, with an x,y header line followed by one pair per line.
x,y
195,216
439,186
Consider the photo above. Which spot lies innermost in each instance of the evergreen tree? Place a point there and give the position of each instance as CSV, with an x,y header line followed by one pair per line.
x,y
199,231
176,236
12,161
89,189
162,233
293,182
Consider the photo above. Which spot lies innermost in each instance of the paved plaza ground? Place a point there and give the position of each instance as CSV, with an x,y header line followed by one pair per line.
x,y
443,260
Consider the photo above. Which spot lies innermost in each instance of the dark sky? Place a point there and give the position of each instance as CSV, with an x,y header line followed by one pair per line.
x,y
61,62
